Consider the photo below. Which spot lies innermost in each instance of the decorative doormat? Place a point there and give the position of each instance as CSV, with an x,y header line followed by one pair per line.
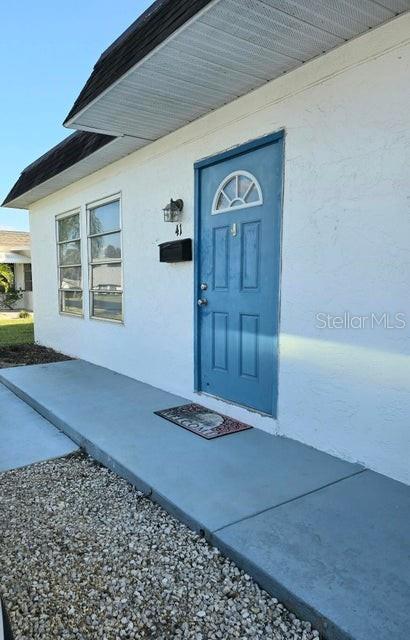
x,y
202,421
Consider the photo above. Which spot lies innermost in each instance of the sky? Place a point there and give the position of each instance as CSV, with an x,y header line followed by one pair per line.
x,y
47,51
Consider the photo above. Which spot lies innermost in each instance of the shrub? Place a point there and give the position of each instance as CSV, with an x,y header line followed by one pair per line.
x,y
9,298
24,314
6,278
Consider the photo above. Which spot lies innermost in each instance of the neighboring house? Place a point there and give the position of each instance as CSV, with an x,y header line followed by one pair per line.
x,y
16,252
284,127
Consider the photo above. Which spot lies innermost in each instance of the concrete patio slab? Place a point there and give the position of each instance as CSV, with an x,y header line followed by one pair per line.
x,y
26,437
342,554
210,484
329,538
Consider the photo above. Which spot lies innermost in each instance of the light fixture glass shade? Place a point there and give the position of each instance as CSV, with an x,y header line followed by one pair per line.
x,y
173,211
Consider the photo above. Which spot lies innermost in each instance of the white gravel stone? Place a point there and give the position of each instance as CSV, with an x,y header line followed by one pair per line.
x,y
85,556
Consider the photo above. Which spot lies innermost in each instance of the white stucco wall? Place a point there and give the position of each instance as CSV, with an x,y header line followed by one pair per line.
x,y
27,303
346,239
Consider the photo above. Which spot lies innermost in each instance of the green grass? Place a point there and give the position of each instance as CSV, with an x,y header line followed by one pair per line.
x,y
17,331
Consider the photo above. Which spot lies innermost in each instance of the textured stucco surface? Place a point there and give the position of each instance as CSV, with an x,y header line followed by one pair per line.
x,y
346,227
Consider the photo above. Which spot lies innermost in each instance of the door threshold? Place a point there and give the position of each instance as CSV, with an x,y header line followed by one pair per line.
x,y
258,412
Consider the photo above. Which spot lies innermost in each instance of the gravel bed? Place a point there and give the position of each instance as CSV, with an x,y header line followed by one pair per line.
x,y
84,555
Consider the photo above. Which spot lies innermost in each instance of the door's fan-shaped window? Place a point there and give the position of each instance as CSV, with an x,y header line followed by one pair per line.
x,y
237,191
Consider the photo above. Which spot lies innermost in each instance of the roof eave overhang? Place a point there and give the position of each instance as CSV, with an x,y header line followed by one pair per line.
x,y
196,9
114,150
217,56
210,60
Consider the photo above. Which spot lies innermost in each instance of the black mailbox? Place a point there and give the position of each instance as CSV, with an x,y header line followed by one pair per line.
x,y
176,251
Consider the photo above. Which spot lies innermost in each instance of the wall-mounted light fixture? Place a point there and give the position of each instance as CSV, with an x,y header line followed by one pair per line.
x,y
173,210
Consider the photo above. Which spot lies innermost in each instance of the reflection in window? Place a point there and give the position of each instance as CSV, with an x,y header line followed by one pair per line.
x,y
106,246
70,253
107,305
72,302
70,277
104,218
106,277
69,264
105,258
238,190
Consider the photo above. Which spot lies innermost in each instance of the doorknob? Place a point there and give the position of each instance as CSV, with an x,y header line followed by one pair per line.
x,y
202,302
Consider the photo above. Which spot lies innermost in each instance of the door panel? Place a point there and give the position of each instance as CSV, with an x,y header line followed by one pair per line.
x,y
249,345
239,228
220,252
250,258
220,331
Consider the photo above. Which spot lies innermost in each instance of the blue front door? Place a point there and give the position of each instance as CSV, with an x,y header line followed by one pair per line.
x,y
238,271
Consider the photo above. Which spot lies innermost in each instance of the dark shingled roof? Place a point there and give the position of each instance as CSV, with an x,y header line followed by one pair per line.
x,y
74,148
156,24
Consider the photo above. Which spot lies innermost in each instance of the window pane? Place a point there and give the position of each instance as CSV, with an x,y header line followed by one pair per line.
x,y
107,305
69,228
28,282
244,185
253,195
70,278
105,218
107,276
72,301
230,189
70,253
103,247
223,202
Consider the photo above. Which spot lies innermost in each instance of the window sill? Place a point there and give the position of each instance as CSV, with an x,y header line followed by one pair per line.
x,y
71,315
110,320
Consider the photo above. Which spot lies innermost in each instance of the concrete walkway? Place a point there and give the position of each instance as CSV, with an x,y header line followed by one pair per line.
x,y
25,437
328,538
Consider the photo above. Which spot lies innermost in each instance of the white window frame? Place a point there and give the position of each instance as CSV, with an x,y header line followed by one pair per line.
x,y
93,205
61,216
234,207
